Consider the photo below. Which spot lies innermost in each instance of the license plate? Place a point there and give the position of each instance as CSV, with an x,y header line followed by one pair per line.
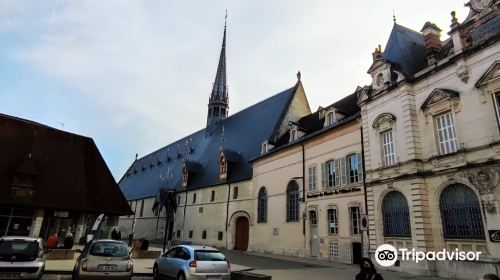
x,y
106,267
10,276
214,277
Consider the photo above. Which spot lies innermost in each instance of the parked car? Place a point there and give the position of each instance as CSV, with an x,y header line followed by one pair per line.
x,y
186,262
104,259
21,257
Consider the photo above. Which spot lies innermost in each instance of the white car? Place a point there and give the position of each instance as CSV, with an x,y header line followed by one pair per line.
x,y
21,257
187,262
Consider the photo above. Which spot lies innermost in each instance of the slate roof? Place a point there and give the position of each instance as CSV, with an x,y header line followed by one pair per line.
x,y
68,170
244,133
406,49
312,124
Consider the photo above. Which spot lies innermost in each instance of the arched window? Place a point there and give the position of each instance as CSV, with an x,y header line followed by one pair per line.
x,y
262,206
330,118
460,213
292,202
396,215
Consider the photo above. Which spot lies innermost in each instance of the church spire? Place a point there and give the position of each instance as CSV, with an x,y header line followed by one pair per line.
x,y
218,103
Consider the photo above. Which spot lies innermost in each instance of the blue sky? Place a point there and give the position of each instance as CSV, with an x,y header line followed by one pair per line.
x,y
136,75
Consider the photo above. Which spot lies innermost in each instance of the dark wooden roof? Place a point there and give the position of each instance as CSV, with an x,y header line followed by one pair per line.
x,y
67,169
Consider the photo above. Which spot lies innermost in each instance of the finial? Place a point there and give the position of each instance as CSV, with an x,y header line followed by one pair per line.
x,y
136,156
393,16
225,20
299,76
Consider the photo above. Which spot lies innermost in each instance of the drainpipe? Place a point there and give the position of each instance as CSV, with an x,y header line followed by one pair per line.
x,y
227,209
364,184
184,214
304,188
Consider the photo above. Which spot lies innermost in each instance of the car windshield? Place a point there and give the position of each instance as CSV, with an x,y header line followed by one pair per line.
x,y
17,250
209,256
109,249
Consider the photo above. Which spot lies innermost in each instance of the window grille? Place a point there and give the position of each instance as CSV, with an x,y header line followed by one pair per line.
x,y
460,213
396,216
292,205
262,206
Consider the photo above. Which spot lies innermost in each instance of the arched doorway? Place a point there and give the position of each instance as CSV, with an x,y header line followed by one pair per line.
x,y
241,234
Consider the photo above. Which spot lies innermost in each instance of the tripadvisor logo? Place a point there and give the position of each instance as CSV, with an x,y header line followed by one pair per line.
x,y
387,255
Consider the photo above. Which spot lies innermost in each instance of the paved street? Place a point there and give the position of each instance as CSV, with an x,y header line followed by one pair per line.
x,y
279,267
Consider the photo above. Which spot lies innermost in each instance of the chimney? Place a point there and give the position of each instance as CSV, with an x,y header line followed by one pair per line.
x,y
377,54
433,45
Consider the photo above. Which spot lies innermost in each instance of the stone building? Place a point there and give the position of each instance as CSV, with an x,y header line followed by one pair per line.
x,y
308,187
209,170
432,144
52,181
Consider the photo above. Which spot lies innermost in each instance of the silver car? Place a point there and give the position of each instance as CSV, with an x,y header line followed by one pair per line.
x,y
104,259
186,262
21,257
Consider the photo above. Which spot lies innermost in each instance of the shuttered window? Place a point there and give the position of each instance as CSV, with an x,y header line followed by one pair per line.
x,y
446,134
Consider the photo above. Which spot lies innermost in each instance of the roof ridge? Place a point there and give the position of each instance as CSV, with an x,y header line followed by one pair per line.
x,y
202,129
42,125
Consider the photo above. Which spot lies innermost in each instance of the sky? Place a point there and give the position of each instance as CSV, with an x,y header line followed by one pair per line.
x,y
136,75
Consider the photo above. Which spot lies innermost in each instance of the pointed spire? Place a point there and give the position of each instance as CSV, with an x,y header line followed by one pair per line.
x,y
218,104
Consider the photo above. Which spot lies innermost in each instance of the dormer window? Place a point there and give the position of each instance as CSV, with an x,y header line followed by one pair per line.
x,y
222,167
293,135
185,175
330,118
264,148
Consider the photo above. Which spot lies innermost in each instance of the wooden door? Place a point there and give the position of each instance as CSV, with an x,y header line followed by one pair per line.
x,y
241,234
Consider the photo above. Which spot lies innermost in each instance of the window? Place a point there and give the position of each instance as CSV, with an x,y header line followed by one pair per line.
x,y
312,178
220,235
333,173
355,216
235,193
446,134
354,168
141,213
178,234
262,206
313,219
330,118
460,213
388,148
395,215
212,198
200,210
204,235
223,166
333,248
333,223
194,198
293,135
190,234
292,202
178,200
184,176
497,105
264,148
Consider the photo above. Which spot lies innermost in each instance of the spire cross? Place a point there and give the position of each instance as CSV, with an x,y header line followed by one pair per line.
x,y
393,16
225,20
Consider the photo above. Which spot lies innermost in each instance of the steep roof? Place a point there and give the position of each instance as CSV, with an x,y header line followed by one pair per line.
x,y
312,124
406,49
244,133
68,170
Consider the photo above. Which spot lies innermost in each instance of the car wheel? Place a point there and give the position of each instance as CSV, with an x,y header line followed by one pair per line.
x,y
181,276
155,273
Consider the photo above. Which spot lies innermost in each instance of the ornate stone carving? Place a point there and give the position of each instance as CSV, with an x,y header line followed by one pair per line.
x,y
484,179
462,71
384,121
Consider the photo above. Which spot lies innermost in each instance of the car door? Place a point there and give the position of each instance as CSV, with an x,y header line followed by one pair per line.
x,y
180,260
165,262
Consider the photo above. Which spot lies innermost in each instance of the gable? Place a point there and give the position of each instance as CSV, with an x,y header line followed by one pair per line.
x,y
491,75
438,95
